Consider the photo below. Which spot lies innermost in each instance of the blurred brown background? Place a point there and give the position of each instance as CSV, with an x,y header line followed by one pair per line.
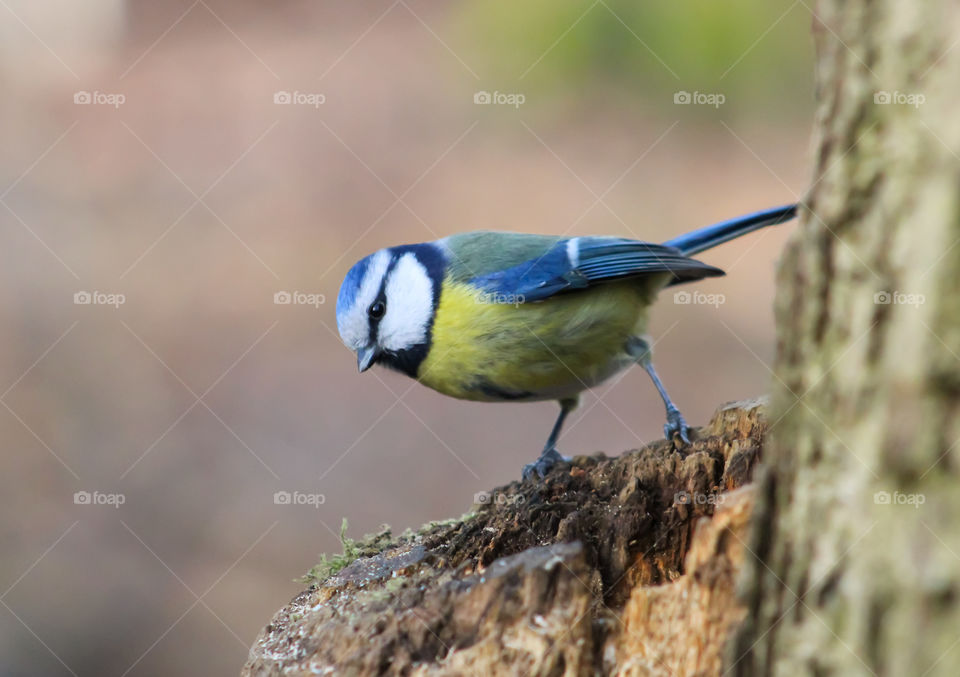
x,y
184,187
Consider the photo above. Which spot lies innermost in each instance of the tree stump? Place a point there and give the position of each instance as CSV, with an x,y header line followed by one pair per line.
x,y
608,566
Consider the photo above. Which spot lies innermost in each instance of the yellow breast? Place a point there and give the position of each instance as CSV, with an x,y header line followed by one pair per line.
x,y
483,350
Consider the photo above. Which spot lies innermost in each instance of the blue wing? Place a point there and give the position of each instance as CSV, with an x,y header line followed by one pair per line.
x,y
580,262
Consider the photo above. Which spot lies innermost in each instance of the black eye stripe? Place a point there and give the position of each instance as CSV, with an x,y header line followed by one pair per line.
x,y
381,299
375,319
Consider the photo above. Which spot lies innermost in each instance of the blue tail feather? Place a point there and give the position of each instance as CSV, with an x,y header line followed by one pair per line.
x,y
718,233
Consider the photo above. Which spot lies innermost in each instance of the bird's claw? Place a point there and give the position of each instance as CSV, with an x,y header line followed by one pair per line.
x,y
544,464
676,425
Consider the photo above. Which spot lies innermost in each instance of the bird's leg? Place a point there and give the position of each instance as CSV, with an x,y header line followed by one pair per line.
x,y
675,425
550,456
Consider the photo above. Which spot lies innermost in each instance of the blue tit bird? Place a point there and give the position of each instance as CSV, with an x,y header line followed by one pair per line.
x,y
509,317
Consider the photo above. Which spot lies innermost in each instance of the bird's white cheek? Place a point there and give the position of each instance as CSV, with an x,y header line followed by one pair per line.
x,y
409,294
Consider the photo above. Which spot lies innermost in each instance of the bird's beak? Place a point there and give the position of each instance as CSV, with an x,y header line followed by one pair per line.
x,y
366,357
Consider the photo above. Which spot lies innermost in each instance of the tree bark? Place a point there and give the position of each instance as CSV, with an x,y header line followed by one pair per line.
x,y
855,545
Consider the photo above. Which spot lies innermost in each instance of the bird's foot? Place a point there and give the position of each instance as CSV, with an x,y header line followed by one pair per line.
x,y
676,425
544,464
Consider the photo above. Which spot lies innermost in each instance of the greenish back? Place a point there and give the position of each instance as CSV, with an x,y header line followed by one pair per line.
x,y
481,252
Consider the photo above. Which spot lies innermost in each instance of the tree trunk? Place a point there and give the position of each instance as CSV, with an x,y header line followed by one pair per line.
x,y
855,540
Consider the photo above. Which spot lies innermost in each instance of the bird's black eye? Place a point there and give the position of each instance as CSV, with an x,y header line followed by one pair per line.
x,y
377,310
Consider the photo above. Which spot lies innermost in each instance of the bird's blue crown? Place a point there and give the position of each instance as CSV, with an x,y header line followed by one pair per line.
x,y
351,285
